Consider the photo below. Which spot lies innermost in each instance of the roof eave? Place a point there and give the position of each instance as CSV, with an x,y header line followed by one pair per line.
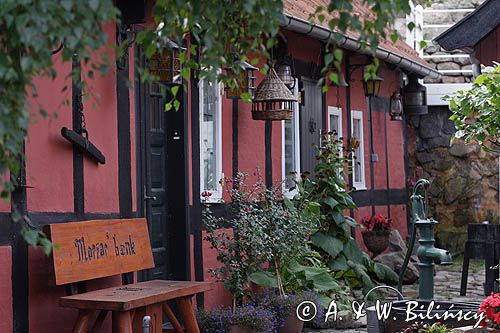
x,y
299,25
467,32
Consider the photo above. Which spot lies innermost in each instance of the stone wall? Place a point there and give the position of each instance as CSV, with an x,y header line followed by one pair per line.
x,y
464,179
448,63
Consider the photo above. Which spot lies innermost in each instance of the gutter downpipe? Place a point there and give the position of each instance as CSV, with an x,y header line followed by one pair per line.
x,y
323,34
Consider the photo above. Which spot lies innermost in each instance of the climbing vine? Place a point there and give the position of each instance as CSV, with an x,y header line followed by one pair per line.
x,y
32,30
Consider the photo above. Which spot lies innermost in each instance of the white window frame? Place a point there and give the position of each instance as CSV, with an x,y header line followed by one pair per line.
x,y
335,111
216,194
296,135
361,185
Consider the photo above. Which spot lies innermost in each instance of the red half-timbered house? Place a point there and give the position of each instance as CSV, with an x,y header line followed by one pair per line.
x,y
158,163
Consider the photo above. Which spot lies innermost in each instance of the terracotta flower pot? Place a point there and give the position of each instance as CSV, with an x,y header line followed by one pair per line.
x,y
240,329
376,241
292,324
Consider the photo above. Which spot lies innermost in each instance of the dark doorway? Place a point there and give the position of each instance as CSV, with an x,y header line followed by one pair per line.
x,y
162,196
311,122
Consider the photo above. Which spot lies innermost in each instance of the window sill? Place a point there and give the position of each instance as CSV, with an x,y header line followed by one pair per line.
x,y
360,188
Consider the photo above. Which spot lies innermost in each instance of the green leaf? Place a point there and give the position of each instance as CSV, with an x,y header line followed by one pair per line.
x,y
338,264
353,251
30,236
331,202
264,279
331,245
384,273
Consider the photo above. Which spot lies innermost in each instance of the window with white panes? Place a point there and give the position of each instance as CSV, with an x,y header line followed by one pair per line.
x,y
291,147
210,139
358,164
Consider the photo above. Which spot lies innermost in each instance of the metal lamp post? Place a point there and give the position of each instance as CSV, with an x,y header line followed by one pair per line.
x,y
372,89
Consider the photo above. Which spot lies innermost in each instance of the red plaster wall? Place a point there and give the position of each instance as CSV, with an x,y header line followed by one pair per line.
x,y
44,312
49,157
101,181
219,296
6,324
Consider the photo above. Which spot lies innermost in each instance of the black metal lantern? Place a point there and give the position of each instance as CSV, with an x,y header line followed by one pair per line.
x,y
414,97
285,71
273,100
166,65
396,106
372,86
246,80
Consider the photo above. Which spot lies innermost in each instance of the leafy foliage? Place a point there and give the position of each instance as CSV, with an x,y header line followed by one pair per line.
x,y
31,30
264,229
220,34
476,112
339,250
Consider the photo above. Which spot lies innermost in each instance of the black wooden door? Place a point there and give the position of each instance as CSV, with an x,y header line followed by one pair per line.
x,y
156,185
162,178
311,122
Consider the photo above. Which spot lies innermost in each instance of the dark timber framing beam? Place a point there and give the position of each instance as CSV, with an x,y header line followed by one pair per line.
x,y
235,138
196,209
77,111
123,114
347,70
20,282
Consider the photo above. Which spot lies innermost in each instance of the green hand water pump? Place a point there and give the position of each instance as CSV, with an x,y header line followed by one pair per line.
x,y
426,252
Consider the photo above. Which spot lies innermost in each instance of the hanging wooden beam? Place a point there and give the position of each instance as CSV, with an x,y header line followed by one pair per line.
x,y
83,144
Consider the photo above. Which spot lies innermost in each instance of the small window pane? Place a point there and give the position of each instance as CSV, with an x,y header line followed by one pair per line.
x,y
209,135
357,169
290,158
334,124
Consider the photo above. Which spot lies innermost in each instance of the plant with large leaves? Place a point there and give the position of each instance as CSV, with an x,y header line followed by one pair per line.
x,y
340,251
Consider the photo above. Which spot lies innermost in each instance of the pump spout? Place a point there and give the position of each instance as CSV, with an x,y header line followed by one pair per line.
x,y
438,256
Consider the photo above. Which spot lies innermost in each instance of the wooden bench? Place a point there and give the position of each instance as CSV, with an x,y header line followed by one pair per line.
x,y
89,250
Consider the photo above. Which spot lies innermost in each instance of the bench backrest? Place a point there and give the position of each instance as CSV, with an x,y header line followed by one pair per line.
x,y
89,250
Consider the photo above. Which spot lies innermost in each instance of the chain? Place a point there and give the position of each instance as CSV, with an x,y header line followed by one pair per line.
x,y
82,116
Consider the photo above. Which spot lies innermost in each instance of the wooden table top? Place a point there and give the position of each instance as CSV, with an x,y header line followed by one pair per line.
x,y
131,296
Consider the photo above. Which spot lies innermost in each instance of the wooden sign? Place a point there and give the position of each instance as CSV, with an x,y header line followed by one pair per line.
x,y
93,249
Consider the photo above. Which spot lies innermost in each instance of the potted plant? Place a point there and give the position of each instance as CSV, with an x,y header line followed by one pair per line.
x,y
236,240
243,319
253,319
426,328
218,320
285,308
376,235
490,308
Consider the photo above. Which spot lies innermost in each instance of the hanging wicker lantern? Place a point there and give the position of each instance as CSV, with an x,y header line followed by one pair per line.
x,y
272,99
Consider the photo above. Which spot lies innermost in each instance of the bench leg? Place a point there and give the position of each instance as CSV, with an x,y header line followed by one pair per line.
x,y
172,319
122,322
83,321
187,314
99,321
